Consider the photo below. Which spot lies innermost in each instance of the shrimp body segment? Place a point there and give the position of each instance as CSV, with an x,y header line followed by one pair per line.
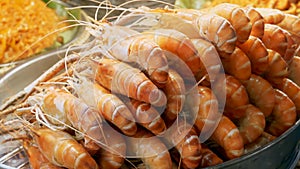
x,y
134,47
283,116
229,138
121,78
294,68
236,16
61,149
257,20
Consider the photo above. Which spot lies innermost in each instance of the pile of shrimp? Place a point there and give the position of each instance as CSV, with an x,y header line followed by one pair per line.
x,y
163,88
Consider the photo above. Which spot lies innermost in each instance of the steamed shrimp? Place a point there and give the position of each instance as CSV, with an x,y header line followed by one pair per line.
x,y
175,92
131,46
36,159
257,54
186,141
236,16
178,44
237,64
291,23
209,158
278,68
292,90
284,45
236,96
229,138
294,69
108,105
62,150
220,33
283,115
65,108
151,150
261,93
261,141
271,16
121,78
113,155
252,125
257,20
147,116
209,57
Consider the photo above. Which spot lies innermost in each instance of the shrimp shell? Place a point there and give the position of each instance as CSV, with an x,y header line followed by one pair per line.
x,y
236,96
257,53
175,92
147,116
257,20
237,64
252,125
36,159
236,16
261,93
291,23
294,69
151,150
121,78
209,158
284,45
108,105
229,138
131,46
278,68
271,16
186,141
62,150
283,115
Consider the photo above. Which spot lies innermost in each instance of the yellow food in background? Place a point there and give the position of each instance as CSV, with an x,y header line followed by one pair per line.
x,y
287,6
26,27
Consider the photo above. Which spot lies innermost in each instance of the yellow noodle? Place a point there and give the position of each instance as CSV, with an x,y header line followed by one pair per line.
x,y
22,23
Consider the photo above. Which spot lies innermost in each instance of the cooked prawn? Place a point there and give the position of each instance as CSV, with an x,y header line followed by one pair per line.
x,y
271,16
257,20
291,23
283,115
261,93
261,141
294,70
209,158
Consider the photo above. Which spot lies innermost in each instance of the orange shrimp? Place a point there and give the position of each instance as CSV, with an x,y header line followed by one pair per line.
x,y
236,16
237,64
292,90
220,33
261,93
209,158
284,45
65,108
252,125
36,158
271,16
62,150
121,78
278,68
151,150
283,115
210,59
264,139
257,53
291,23
108,105
186,141
131,46
236,96
178,44
208,113
229,138
147,116
294,69
175,92
257,20
113,155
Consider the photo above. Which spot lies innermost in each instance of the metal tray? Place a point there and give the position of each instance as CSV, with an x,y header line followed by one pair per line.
x,y
282,153
79,36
